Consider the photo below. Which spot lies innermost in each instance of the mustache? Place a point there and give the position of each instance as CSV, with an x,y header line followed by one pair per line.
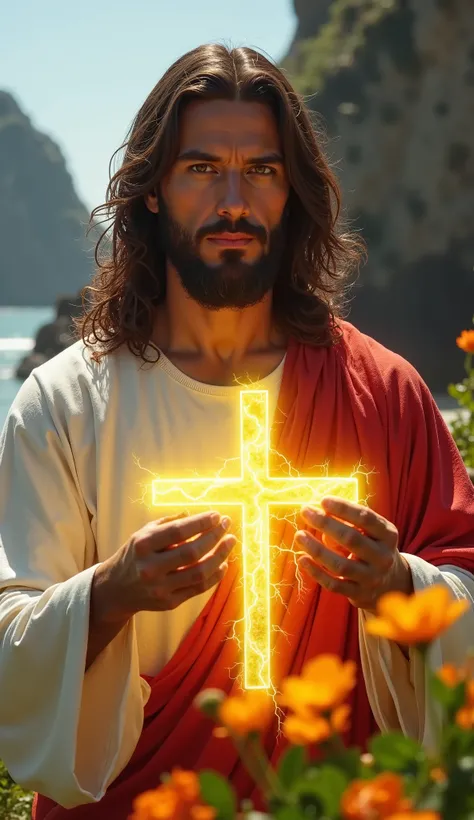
x,y
241,226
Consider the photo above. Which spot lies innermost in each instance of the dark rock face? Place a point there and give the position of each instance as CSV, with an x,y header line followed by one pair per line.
x,y
42,222
310,16
395,88
53,337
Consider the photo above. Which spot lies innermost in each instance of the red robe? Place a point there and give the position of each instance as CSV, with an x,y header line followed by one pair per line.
x,y
354,403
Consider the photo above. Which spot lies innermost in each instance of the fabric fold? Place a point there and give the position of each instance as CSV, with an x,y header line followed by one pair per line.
x,y
46,634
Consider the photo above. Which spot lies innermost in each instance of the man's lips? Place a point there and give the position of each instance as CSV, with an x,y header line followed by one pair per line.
x,y
230,240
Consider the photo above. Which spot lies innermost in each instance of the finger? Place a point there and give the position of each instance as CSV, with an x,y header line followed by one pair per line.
x,y
344,534
191,552
198,574
179,530
167,518
333,562
182,595
374,525
342,587
331,544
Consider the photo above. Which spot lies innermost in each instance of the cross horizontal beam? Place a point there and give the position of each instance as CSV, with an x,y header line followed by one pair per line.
x,y
255,492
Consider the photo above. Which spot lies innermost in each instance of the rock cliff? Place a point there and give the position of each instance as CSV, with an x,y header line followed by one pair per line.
x,y
44,252
394,83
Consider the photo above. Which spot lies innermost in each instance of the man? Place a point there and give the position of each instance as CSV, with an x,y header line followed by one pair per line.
x,y
225,267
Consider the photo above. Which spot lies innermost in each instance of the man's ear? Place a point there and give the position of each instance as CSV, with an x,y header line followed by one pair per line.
x,y
151,201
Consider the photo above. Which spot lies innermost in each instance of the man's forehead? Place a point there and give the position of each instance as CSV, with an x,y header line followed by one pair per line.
x,y
218,124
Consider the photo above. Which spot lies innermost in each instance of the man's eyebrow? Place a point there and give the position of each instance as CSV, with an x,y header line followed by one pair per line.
x,y
194,154
200,156
273,158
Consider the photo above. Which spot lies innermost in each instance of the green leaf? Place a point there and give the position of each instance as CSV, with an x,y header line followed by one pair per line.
x,y
291,765
288,813
15,803
465,399
216,791
456,390
457,743
321,789
397,753
458,798
348,761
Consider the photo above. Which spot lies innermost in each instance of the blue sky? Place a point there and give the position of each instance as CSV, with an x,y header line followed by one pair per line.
x,y
81,70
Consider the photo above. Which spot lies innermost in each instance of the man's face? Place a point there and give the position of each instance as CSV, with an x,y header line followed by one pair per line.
x,y
222,206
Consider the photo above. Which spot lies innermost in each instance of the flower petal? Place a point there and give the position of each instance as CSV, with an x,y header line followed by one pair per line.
x,y
455,610
304,732
381,628
340,718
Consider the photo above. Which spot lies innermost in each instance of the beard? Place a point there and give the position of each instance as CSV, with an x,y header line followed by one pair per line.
x,y
232,283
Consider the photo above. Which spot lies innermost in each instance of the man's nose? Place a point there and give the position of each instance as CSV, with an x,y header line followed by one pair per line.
x,y
232,204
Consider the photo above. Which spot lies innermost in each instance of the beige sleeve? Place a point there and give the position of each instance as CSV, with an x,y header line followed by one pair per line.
x,y
63,733
397,685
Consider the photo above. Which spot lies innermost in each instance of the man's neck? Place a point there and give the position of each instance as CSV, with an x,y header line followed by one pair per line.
x,y
218,346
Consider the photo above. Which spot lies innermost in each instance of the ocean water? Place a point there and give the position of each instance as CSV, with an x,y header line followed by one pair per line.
x,y
17,332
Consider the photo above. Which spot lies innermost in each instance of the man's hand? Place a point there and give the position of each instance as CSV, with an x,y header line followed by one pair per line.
x,y
355,552
162,565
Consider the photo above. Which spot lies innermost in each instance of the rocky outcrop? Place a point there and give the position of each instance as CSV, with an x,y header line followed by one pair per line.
x,y
44,250
52,337
394,83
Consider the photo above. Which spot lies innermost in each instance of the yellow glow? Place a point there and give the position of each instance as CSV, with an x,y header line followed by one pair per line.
x,y
255,492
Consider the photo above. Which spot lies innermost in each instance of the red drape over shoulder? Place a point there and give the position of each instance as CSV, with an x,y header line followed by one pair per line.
x,y
353,404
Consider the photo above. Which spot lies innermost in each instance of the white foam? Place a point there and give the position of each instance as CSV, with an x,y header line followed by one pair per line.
x,y
15,343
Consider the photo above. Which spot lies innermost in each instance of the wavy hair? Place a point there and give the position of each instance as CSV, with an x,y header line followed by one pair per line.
x,y
130,279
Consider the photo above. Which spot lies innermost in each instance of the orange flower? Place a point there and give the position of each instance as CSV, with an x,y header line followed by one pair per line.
x,y
465,717
466,341
324,683
415,815
438,775
249,712
185,784
417,618
331,674
340,718
376,799
177,799
450,675
203,813
157,804
305,731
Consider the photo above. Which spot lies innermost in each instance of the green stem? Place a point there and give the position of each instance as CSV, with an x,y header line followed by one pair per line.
x,y
258,766
275,787
423,650
468,364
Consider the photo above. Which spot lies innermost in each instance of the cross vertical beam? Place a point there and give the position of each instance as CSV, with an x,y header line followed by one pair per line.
x,y
255,493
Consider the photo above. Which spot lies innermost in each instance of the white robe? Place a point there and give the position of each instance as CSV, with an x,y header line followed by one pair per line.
x,y
77,455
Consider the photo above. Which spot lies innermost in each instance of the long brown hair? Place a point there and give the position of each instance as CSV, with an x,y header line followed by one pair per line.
x,y
130,279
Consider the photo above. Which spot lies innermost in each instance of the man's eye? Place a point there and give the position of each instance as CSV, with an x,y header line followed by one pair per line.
x,y
201,168
263,170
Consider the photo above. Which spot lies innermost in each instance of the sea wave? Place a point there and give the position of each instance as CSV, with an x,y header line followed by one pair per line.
x,y
16,343
7,373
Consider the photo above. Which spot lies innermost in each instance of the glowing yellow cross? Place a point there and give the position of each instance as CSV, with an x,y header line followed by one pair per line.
x,y
254,491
